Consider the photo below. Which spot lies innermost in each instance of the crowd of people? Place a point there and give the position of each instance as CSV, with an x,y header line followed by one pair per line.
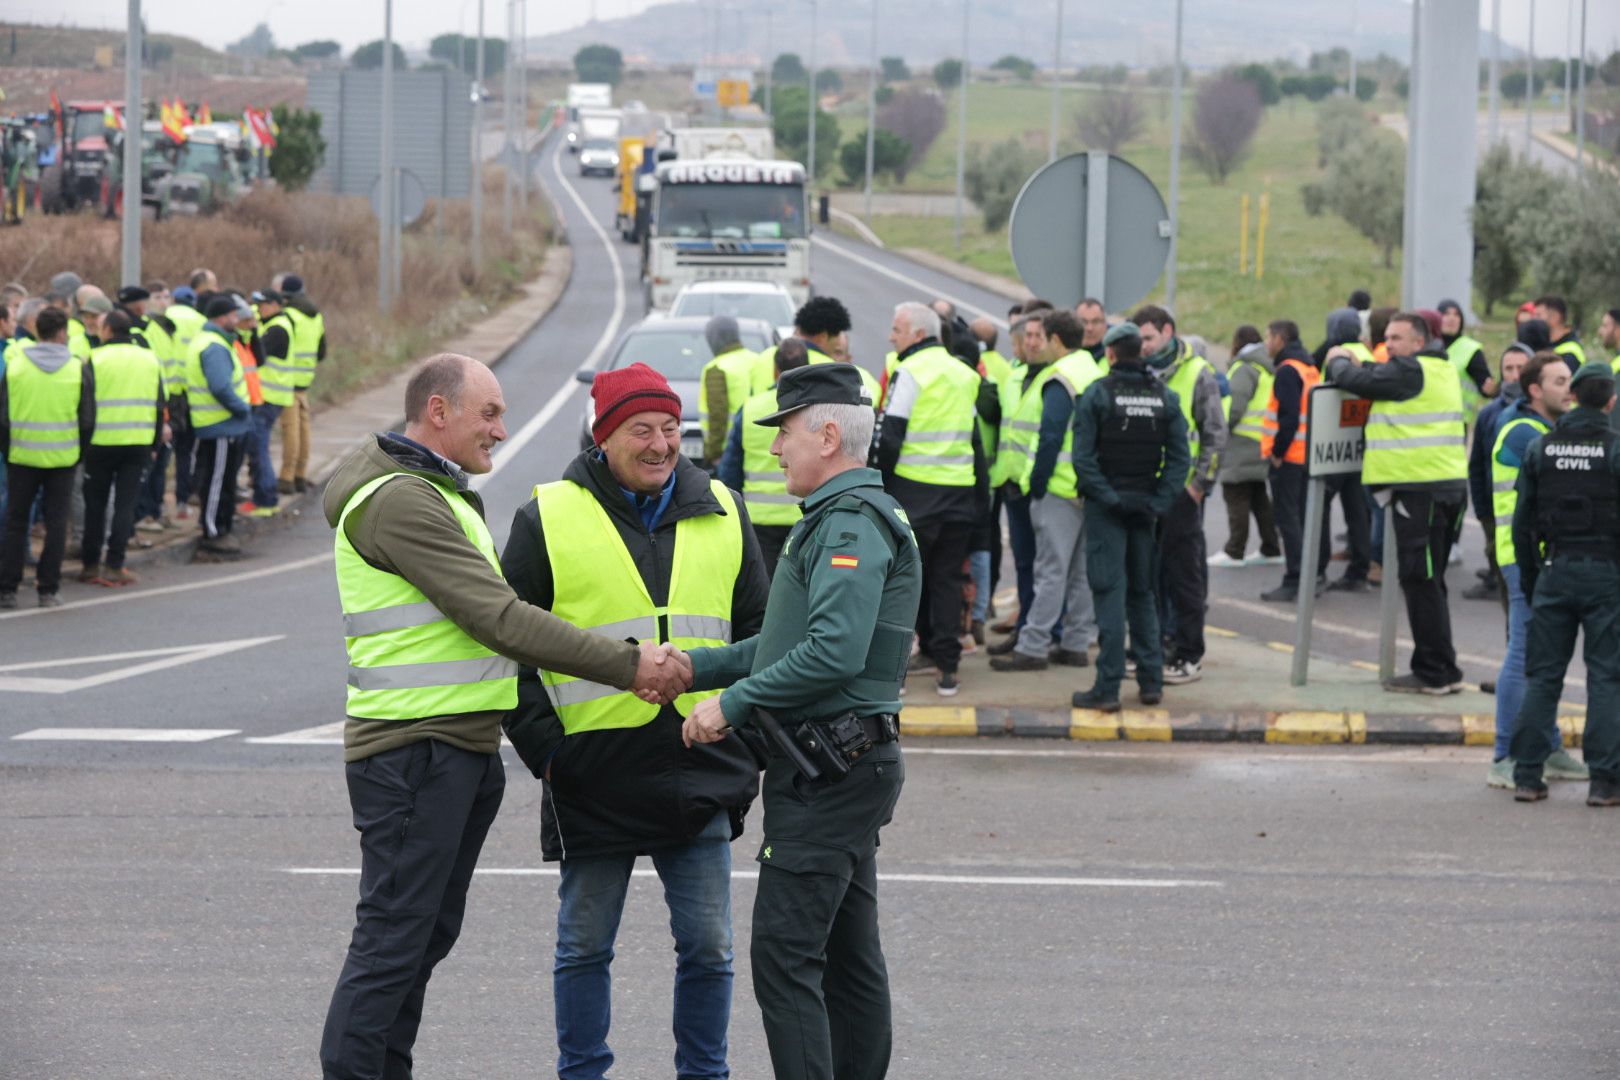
x,y
102,400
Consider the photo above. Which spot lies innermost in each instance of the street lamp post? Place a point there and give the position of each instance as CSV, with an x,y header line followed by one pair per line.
x,y
133,115
1057,66
1492,93
961,125
478,152
387,188
871,114
1175,169
811,176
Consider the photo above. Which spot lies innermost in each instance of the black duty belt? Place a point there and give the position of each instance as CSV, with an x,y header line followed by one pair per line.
x,y
824,749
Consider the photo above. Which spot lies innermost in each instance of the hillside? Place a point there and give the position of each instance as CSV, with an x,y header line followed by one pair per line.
x,y
24,45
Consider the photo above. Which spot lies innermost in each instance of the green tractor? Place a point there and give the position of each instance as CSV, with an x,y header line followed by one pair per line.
x,y
158,155
19,169
207,171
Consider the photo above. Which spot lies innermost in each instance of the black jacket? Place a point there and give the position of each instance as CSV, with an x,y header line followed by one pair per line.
x,y
631,790
1398,379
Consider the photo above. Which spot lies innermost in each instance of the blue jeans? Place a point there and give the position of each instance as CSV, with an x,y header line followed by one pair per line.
x,y
1021,536
1510,680
979,567
263,472
150,503
697,888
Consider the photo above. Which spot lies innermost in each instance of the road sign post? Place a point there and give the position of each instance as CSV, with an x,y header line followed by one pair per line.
x,y
1334,444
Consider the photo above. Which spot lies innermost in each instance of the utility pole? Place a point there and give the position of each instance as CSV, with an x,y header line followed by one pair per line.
x,y
478,153
871,114
1569,44
507,110
961,125
810,178
1580,104
523,104
387,188
1175,169
1057,66
1530,79
1355,30
133,115
1492,93
768,60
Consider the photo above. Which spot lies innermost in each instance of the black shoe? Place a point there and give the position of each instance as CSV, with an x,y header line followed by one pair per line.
x,y
300,485
921,664
1485,590
977,630
1069,657
1488,686
1350,584
1483,573
1090,699
1017,661
1603,793
1528,792
1150,697
1004,646
1283,594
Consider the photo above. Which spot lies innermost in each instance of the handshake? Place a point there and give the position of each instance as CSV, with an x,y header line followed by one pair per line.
x,y
663,674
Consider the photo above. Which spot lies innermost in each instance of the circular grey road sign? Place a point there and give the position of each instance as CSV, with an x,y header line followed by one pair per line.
x,y
1089,224
412,197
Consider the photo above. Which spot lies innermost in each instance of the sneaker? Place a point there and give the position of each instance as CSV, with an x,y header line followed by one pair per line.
x,y
1487,686
1562,765
1501,775
246,507
1090,699
1183,671
1265,560
301,485
1004,646
1222,561
117,577
264,511
1069,657
1017,661
1282,594
221,545
1603,793
1411,684
8,601
1007,625
1529,792
1130,667
977,630
969,647
149,525
1485,590
1375,575
1483,573
921,664
1150,697
91,574
49,599
182,512
1455,558
946,685
1350,584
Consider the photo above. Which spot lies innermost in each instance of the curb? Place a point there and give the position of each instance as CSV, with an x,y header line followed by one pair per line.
x,y
994,283
1160,725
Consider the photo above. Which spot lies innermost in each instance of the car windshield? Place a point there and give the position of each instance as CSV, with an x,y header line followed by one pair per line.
x,y
678,355
774,308
601,144
732,211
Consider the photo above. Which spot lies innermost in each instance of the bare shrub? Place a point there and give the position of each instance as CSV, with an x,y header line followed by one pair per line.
x,y
917,116
1114,118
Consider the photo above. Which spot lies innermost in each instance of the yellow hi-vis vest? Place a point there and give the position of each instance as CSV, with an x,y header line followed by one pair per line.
x,y
599,588
1017,433
738,366
1571,349
765,491
938,448
874,389
1459,352
1074,373
162,346
206,409
129,393
1183,381
307,332
188,323
763,374
1504,488
277,375
1252,424
406,658
44,412
1419,441
78,342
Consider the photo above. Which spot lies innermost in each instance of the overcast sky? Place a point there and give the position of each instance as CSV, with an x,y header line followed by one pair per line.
x,y
416,22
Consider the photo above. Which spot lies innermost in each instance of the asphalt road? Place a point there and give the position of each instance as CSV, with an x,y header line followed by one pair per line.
x,y
1050,910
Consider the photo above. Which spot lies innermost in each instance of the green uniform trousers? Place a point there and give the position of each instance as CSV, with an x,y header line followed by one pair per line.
x,y
1122,563
819,975
1572,593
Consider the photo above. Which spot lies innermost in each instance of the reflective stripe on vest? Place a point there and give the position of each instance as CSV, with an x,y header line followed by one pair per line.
x,y
129,382
1252,424
938,447
1017,432
1504,488
406,659
1422,440
1309,376
305,344
1183,382
1074,373
277,376
44,412
599,588
1571,348
206,409
764,489
1459,352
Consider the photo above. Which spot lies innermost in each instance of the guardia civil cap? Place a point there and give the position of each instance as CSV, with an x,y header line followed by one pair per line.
x,y
835,383
1121,332
1592,369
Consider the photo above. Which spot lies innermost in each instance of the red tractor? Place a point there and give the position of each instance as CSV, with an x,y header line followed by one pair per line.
x,y
78,175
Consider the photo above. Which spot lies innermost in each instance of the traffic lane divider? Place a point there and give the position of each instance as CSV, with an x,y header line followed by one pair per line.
x,y
1161,725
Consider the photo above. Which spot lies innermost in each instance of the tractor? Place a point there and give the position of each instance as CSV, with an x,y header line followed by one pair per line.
x,y
77,173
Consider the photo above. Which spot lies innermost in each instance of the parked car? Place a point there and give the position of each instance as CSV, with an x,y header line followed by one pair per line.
x,y
676,349
740,299
600,156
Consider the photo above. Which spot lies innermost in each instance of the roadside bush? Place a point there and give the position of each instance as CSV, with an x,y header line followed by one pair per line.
x,y
993,179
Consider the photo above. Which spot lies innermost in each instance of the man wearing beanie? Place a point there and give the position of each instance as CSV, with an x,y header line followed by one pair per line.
x,y
217,398
636,541
300,347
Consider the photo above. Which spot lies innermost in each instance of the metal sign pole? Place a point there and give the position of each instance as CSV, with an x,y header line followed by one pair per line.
x,y
1308,569
1175,169
1096,223
1389,604
134,114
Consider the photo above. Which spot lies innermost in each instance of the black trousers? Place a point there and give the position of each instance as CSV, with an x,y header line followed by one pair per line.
x,y
218,462
1245,498
151,501
422,812
771,539
116,471
1288,503
23,485
1425,529
1357,511
943,547
1183,579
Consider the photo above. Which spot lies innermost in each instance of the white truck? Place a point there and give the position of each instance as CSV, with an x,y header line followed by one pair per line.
x,y
584,96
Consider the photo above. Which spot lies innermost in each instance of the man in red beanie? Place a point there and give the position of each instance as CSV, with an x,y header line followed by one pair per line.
x,y
636,541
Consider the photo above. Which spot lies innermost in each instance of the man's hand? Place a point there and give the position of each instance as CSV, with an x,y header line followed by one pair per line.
x,y
663,674
1337,351
1276,462
707,724
1196,493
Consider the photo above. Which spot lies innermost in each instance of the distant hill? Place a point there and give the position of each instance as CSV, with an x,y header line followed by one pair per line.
x,y
924,31
25,45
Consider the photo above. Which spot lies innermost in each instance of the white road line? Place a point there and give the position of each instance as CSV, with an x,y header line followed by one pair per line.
x,y
1305,755
123,734
509,449
928,291
166,590
324,735
908,879
172,656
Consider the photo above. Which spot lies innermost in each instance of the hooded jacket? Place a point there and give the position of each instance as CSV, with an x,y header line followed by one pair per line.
x,y
218,364
631,790
1400,379
406,529
49,357
1242,463
1208,412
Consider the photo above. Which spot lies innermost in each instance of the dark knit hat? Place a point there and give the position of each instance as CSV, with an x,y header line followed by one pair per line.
x,y
221,304
622,392
292,283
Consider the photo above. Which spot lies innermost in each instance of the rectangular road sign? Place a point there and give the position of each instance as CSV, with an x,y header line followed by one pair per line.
x,y
1336,439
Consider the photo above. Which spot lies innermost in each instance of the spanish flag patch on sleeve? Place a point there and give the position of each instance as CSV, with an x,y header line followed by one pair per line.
x,y
846,562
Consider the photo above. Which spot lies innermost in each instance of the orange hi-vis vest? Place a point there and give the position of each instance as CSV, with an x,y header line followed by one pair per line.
x,y
1268,420
250,372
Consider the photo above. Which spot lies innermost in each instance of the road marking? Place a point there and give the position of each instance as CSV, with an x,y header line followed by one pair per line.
x,y
908,879
166,590
324,735
1441,755
123,734
926,290
160,659
859,226
509,449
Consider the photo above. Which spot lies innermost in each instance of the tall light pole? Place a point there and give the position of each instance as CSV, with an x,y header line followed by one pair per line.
x,y
1175,169
961,125
1569,44
1355,30
1057,66
769,72
1492,94
390,210
523,104
1414,93
1530,79
510,113
133,147
478,152
811,174
1580,104
871,114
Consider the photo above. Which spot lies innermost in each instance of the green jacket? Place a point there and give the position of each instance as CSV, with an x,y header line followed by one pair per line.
x,y
839,620
408,530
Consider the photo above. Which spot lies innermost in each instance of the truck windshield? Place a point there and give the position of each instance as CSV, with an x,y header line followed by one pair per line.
x,y
732,211
89,125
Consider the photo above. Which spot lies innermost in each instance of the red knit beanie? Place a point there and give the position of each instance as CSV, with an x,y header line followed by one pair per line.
x,y
622,392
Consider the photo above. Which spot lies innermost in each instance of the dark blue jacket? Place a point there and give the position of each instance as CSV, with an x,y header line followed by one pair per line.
x,y
218,362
